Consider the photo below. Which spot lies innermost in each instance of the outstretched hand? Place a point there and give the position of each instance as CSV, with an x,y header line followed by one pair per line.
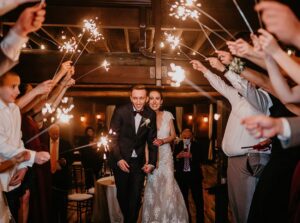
x,y
215,63
30,20
197,65
261,126
224,56
268,43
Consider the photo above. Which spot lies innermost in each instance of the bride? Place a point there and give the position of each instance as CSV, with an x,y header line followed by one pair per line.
x,y
163,201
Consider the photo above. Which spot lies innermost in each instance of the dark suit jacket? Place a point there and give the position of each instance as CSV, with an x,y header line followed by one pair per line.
x,y
195,161
126,140
62,179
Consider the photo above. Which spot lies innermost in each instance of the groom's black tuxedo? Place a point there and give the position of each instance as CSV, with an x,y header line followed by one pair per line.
x,y
126,139
124,142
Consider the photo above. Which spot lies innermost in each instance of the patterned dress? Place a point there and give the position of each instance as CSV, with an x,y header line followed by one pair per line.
x,y
163,201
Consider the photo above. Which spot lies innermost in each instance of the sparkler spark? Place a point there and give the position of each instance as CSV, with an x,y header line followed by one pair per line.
x,y
177,75
175,43
47,109
69,46
184,9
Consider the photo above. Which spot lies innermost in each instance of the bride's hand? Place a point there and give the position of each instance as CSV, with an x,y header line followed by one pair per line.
x,y
158,142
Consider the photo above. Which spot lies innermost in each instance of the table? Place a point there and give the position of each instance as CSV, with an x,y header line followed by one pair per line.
x,y
106,207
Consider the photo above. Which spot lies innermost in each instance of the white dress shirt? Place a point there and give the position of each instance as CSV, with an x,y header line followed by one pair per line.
x,y
10,141
236,135
137,121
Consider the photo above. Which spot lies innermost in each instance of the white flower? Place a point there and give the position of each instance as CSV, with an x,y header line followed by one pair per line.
x,y
146,122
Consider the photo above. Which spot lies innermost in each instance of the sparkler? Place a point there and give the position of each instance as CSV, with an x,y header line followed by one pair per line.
x,y
243,15
62,115
258,15
47,109
90,27
69,46
105,64
207,37
175,43
177,75
184,9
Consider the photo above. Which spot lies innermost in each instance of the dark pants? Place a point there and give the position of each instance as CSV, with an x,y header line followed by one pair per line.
x,y
13,200
59,206
129,190
271,197
187,181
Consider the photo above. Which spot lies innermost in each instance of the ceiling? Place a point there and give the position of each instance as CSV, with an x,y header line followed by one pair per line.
x,y
133,31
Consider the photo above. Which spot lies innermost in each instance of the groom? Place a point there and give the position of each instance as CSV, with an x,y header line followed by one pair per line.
x,y
134,125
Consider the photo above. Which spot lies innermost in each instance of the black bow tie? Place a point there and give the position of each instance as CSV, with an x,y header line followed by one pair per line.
x,y
137,112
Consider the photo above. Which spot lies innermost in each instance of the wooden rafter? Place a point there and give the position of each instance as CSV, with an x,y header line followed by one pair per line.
x,y
127,41
199,41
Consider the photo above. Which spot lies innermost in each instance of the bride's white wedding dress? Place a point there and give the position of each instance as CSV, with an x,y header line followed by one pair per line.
x,y
163,201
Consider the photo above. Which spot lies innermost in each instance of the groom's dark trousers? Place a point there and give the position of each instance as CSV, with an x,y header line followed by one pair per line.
x,y
129,187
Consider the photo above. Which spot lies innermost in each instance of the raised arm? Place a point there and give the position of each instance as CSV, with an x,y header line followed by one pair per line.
x,y
217,83
26,102
56,96
30,20
280,20
271,47
243,49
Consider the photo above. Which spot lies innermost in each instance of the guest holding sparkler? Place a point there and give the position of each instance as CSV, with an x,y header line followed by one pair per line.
x,y
10,140
242,174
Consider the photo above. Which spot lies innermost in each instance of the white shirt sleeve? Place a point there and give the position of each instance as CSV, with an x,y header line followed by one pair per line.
x,y
227,91
7,151
8,5
12,44
286,135
258,98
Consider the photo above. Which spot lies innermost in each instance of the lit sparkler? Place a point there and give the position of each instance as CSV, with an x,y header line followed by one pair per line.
x,y
47,109
69,46
184,9
90,26
177,75
105,64
175,43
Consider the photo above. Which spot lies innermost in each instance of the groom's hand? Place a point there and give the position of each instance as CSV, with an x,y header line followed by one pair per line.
x,y
123,165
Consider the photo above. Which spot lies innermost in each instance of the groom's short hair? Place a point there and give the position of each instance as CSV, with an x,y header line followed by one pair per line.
x,y
139,87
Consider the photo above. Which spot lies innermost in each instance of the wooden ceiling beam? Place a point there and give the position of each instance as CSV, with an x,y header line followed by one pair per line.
x,y
201,38
126,94
151,41
127,40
